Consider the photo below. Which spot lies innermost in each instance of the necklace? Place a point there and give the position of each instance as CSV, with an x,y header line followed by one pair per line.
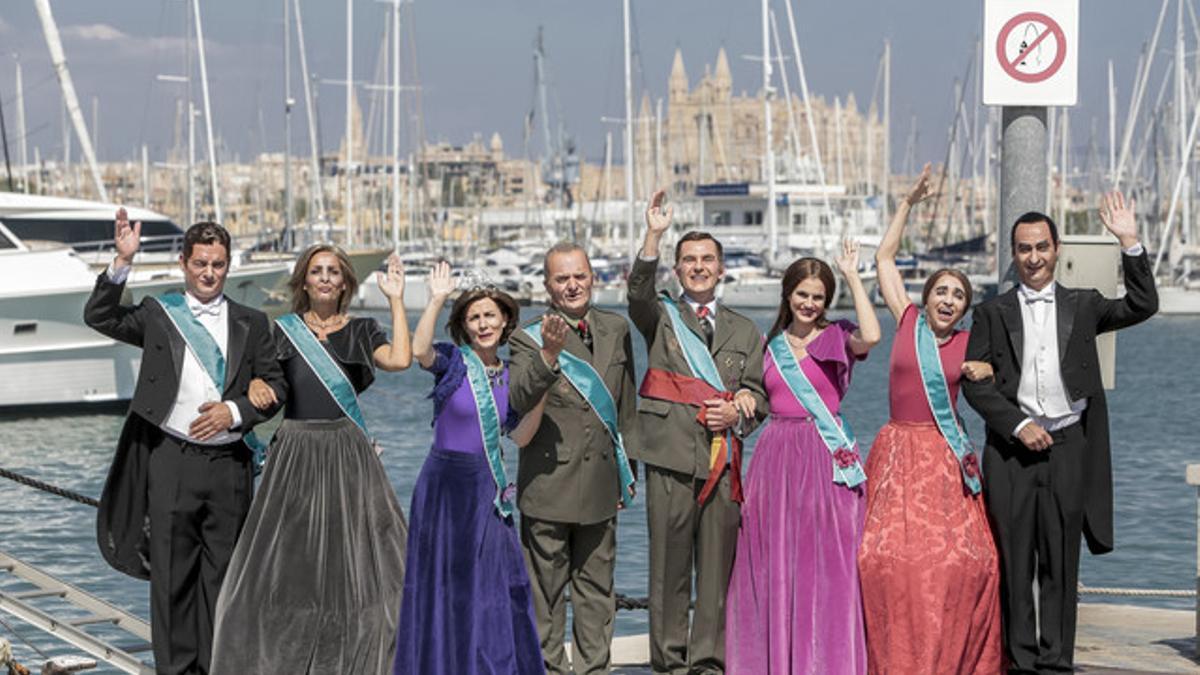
x,y
493,373
802,342
313,320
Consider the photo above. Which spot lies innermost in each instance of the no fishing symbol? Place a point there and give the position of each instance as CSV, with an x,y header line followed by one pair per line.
x,y
1031,47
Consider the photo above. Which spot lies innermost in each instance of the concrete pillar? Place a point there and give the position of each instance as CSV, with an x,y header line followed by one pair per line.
x,y
1023,174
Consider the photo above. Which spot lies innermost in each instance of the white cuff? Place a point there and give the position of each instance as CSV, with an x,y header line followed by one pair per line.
x,y
118,276
237,414
645,259
1024,423
1135,250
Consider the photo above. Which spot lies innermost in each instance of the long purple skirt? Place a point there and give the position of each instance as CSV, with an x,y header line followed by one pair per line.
x,y
794,604
467,607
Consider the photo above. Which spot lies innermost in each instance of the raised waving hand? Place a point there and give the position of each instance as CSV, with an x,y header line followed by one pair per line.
x,y
127,239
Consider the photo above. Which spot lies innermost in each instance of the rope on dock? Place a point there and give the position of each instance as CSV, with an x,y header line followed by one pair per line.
x,y
47,487
1136,592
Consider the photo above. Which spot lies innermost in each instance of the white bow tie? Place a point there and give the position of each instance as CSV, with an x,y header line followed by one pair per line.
x,y
1046,296
199,310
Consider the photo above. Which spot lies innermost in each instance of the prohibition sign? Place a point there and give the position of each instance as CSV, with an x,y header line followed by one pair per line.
x,y
1051,29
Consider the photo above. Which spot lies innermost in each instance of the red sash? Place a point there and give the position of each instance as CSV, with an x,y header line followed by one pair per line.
x,y
664,385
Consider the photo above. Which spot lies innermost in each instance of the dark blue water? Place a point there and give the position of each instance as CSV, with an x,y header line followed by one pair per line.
x,y
1154,413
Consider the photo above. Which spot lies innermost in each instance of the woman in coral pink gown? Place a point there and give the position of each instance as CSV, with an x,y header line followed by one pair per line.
x,y
928,564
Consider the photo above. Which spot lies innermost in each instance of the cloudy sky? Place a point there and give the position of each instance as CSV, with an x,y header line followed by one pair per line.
x,y
474,59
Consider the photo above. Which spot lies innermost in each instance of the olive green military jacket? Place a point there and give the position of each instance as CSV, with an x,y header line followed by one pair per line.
x,y
568,472
670,437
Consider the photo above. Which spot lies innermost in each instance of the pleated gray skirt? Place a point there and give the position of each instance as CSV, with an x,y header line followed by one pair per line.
x,y
316,578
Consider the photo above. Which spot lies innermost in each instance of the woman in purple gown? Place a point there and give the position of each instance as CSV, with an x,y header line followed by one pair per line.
x,y
467,604
793,604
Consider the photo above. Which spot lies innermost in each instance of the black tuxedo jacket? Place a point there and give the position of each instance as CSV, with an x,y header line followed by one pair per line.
x,y
250,353
997,337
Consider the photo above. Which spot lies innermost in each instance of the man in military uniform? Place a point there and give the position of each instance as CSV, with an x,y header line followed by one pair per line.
x,y
691,426
573,476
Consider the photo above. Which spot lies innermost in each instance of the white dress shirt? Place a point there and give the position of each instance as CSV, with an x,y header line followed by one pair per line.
x,y
1041,393
195,386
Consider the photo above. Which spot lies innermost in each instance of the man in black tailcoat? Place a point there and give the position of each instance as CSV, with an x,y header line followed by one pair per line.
x,y
1047,469
180,483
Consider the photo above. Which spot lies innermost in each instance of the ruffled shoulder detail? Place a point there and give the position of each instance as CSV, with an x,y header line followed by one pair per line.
x,y
832,348
450,370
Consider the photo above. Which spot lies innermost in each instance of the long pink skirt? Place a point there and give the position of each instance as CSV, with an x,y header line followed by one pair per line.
x,y
928,563
793,604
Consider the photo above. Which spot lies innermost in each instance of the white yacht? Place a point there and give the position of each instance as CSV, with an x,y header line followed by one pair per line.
x,y
48,357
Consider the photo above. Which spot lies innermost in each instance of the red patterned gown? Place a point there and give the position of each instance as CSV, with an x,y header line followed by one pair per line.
x,y
928,564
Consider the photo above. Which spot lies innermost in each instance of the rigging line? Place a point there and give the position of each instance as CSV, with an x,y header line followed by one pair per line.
x,y
11,100
162,13
22,638
29,133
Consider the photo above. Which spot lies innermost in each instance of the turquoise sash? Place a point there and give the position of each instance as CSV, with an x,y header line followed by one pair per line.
x,y
204,347
937,392
591,387
489,427
838,437
698,357
326,369
198,339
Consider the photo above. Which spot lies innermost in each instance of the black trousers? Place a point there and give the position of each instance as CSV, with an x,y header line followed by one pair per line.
x,y
1035,501
198,500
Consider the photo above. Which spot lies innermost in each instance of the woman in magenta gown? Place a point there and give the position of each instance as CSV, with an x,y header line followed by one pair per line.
x,y
793,604
930,576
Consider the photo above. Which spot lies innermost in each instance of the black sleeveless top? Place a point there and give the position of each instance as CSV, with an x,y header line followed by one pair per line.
x,y
352,348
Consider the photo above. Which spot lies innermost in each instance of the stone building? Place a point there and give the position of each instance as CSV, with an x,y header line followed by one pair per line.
x,y
711,135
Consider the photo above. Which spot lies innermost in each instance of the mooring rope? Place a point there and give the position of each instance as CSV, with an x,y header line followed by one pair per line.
x,y
47,487
1136,592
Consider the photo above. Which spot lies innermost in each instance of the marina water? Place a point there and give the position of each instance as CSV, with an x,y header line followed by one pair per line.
x,y
1155,433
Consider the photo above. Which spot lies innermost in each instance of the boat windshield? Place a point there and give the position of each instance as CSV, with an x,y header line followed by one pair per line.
x,y
92,234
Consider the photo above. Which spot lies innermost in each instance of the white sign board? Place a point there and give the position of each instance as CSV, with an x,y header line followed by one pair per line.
x,y
1030,52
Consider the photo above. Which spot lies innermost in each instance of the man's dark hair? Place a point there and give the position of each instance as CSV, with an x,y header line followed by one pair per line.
x,y
697,235
1032,217
205,233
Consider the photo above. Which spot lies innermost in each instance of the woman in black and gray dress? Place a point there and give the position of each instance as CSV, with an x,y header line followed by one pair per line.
x,y
317,576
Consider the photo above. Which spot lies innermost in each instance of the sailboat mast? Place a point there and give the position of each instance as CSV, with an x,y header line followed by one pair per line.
x,y
59,60
208,124
769,152
22,145
1112,122
629,221
1181,105
287,121
310,113
396,126
887,128
349,168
